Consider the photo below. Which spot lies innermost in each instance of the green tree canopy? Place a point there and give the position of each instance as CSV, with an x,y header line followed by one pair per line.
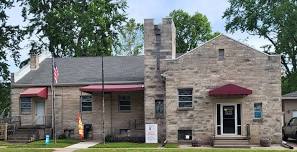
x,y
9,42
130,39
73,28
274,20
190,30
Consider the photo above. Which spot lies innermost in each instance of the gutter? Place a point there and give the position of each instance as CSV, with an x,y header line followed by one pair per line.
x,y
19,85
289,98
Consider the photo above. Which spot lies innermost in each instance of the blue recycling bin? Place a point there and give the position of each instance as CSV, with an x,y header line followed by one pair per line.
x,y
47,139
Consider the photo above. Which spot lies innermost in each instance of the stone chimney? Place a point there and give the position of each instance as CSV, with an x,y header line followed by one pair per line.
x,y
168,36
159,44
34,61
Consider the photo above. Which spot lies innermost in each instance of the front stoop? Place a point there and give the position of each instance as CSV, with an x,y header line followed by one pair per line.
x,y
231,142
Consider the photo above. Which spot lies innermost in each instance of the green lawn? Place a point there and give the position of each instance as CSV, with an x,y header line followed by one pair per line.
x,y
178,150
126,145
24,150
40,144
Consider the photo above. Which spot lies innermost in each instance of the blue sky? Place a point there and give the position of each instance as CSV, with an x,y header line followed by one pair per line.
x,y
157,9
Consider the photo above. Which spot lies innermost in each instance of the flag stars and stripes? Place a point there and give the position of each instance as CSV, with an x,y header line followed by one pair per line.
x,y
56,73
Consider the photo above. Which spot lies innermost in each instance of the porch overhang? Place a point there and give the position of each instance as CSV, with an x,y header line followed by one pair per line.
x,y
112,88
35,92
230,90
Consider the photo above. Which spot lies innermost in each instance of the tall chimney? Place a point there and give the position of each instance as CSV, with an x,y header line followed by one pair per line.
x,y
168,36
34,61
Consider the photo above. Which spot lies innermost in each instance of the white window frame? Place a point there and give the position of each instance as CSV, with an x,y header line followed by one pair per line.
x,y
260,111
25,112
82,100
185,96
119,103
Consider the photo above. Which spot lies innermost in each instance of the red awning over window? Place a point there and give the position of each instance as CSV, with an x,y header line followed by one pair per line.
x,y
113,88
35,92
230,90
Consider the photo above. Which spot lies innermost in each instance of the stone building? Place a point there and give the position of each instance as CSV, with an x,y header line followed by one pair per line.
x,y
221,91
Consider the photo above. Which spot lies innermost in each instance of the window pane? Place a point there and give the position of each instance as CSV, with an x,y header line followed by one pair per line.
x,y
258,110
125,108
185,91
26,104
125,103
86,103
221,54
184,134
86,108
185,104
185,98
159,108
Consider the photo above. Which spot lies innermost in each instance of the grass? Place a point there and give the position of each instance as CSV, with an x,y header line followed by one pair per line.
x,y
178,150
24,150
171,145
40,144
126,145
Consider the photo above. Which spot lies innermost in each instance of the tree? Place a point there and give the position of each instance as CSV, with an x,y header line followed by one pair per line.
x,y
73,28
130,39
190,30
9,40
274,20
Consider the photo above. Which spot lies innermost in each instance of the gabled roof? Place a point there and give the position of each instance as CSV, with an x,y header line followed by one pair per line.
x,y
292,95
213,39
87,70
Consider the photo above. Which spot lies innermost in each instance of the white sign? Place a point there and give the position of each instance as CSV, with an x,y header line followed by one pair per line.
x,y
151,133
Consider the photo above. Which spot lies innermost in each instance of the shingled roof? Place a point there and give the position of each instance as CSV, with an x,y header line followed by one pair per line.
x,y
87,70
290,95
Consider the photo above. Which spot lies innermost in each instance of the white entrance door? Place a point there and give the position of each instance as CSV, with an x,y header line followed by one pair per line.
x,y
228,119
39,113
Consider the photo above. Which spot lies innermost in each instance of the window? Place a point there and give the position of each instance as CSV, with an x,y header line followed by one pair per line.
x,y
26,104
86,103
257,110
184,134
124,103
221,54
185,97
159,108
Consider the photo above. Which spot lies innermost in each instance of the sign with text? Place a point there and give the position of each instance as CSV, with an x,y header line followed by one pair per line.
x,y
151,133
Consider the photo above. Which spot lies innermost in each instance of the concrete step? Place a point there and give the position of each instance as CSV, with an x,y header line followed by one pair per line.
x,y
231,138
222,142
232,146
18,137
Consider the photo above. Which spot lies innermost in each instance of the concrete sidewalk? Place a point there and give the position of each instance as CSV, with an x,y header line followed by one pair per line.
x,y
80,145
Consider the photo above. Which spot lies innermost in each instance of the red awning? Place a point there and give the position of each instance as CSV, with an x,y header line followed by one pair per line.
x,y
113,88
35,92
230,90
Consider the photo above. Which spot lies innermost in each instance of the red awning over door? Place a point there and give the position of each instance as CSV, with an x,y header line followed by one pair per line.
x,y
113,88
35,92
230,90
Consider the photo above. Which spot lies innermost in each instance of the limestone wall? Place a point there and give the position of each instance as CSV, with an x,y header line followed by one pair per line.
x,y
201,70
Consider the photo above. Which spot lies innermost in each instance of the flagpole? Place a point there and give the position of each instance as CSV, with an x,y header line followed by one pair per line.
x,y
103,104
53,100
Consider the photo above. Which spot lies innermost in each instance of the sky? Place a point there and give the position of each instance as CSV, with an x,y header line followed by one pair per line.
x,y
158,9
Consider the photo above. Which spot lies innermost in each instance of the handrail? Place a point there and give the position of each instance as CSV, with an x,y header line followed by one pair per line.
x,y
248,131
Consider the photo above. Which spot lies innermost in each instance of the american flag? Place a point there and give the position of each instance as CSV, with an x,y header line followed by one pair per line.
x,y
56,73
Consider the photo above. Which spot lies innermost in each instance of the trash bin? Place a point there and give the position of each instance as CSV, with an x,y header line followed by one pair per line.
x,y
88,131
